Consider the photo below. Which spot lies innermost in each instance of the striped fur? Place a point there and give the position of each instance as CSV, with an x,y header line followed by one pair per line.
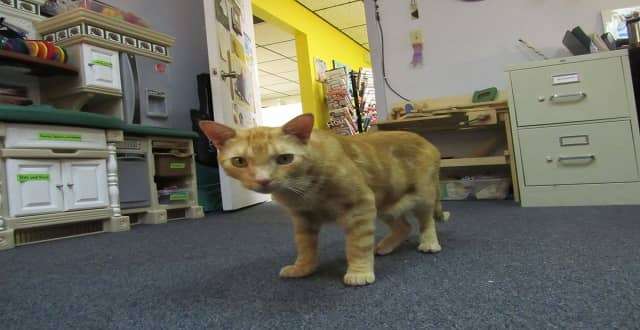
x,y
348,180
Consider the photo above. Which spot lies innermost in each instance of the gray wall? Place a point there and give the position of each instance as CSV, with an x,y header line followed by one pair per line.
x,y
183,20
468,44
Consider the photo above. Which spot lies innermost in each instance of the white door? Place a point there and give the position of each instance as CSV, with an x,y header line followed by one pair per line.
x,y
231,46
102,67
85,184
34,186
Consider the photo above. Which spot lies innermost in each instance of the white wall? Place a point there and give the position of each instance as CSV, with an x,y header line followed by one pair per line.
x,y
185,21
468,44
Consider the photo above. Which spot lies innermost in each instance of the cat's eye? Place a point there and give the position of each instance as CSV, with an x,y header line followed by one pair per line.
x,y
284,159
239,162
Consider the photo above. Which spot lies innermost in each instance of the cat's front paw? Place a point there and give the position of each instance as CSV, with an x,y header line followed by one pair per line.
x,y
430,247
359,279
294,271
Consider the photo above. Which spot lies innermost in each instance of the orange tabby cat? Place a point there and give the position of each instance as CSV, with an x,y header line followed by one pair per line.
x,y
321,177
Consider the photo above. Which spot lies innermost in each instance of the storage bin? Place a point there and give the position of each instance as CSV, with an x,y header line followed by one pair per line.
x,y
491,188
174,196
475,188
455,190
173,165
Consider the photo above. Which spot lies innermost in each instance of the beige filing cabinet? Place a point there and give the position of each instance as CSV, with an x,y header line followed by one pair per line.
x,y
575,131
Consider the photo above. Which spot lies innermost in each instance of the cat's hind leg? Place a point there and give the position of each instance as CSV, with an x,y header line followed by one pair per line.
x,y
400,230
428,236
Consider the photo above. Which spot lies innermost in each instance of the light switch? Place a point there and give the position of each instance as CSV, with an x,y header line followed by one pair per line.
x,y
416,37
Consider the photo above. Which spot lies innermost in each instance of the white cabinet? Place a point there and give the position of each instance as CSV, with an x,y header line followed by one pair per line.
x,y
101,67
85,184
35,186
30,136
47,186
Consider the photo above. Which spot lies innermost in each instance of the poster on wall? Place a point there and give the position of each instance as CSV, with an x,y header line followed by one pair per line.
x,y
248,49
224,43
614,21
321,70
243,84
236,17
222,13
237,48
243,116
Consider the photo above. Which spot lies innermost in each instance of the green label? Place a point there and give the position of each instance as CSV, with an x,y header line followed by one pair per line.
x,y
48,136
102,63
177,166
181,196
22,178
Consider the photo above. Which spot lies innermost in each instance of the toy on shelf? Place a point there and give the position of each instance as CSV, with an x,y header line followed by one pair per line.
x,y
12,39
56,7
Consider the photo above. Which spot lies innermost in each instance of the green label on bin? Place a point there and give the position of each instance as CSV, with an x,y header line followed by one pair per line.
x,y
22,178
181,196
104,63
68,137
177,166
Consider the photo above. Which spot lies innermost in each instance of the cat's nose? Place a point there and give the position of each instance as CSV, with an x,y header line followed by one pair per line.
x,y
264,182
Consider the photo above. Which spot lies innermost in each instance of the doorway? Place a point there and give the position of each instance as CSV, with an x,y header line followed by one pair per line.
x,y
278,76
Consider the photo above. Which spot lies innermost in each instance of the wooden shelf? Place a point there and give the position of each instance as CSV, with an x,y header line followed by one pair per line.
x,y
176,206
478,161
15,100
36,66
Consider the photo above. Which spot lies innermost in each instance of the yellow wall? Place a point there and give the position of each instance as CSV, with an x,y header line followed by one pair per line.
x,y
315,38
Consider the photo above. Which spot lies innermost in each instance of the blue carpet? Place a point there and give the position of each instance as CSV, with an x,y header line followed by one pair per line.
x,y
502,267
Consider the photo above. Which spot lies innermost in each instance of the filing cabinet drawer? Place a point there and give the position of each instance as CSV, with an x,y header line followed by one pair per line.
x,y
578,154
571,92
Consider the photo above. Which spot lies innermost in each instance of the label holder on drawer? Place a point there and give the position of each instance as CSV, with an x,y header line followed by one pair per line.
x,y
574,140
563,79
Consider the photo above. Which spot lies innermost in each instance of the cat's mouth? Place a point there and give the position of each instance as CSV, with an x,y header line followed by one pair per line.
x,y
263,188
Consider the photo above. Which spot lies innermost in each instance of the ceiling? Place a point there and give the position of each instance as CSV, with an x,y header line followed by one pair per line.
x,y
346,15
277,62
276,49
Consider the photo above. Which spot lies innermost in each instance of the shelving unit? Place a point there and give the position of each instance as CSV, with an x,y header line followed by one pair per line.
x,y
37,66
458,119
163,143
475,161
85,26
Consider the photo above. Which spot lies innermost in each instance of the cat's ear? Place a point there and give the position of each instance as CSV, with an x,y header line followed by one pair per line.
x,y
217,133
300,127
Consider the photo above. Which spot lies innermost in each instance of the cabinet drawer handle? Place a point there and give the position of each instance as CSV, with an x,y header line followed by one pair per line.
x,y
569,158
560,97
59,186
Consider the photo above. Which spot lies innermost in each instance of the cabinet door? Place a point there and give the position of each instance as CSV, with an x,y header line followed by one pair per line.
x,y
35,187
102,67
85,184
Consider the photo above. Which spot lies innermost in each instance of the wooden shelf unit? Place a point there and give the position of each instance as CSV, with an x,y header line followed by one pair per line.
x,y
459,118
474,161
37,66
